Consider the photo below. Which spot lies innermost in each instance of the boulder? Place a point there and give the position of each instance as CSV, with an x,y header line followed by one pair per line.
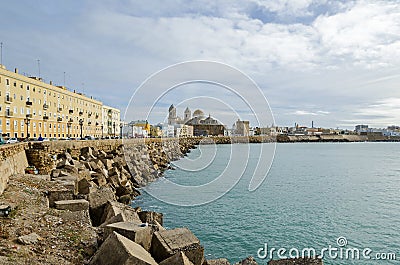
x,y
85,185
217,262
247,261
114,208
298,261
59,194
178,259
151,217
167,243
98,198
138,233
118,249
72,205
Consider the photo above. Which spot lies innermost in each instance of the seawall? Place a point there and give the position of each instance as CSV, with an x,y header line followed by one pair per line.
x,y
12,161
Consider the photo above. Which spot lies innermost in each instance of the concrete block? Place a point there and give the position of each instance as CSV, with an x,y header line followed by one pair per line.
x,y
98,198
178,259
59,195
151,217
247,261
72,205
113,208
217,262
118,249
133,231
168,242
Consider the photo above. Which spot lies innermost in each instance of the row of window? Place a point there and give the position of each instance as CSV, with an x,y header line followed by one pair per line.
x,y
58,95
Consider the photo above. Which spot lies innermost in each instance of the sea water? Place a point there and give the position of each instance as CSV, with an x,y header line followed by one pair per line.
x,y
316,195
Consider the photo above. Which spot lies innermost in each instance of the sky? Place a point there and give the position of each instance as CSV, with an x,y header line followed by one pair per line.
x,y
332,62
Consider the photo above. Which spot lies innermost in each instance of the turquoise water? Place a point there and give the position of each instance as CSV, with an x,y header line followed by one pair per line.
x,y
313,194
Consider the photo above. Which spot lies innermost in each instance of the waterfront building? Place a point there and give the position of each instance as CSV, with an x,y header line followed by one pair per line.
x,y
241,128
32,108
111,123
183,130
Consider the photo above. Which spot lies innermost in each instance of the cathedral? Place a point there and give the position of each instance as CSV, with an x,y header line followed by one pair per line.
x,y
202,125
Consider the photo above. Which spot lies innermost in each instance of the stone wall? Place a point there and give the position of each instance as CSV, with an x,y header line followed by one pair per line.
x,y
12,161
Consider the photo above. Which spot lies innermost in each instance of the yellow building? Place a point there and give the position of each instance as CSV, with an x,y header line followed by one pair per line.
x,y
32,108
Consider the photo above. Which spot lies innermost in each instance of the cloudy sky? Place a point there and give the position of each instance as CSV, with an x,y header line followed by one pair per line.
x,y
334,62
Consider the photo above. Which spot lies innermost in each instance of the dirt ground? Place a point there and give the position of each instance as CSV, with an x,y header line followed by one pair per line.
x,y
65,237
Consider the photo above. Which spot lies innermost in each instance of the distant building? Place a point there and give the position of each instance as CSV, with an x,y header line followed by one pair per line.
x,y
194,125
241,128
139,129
361,128
111,121
183,130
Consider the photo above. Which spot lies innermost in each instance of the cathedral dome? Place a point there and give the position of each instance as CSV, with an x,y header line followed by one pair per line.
x,y
198,113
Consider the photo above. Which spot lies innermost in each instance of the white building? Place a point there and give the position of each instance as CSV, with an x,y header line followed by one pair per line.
x,y
111,121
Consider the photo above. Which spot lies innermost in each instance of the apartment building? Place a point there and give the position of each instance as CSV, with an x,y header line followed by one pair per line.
x,y
32,108
111,123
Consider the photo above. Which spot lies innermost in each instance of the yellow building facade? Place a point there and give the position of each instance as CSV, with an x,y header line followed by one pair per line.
x,y
32,108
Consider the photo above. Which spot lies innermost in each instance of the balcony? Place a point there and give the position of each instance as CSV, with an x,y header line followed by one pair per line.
x,y
45,106
8,100
45,117
28,103
59,119
71,111
9,113
29,116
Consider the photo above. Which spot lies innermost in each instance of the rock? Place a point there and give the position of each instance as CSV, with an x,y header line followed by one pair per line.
x,y
150,217
217,262
72,205
32,238
98,198
299,261
133,231
125,199
177,259
247,261
84,186
167,243
118,249
113,208
60,194
99,179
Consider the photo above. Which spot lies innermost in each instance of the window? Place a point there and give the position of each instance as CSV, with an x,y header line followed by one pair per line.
x,y
22,125
34,125
15,110
7,82
22,97
28,111
40,113
50,125
8,124
21,85
34,112
15,96
22,110
15,125
15,84
44,92
27,87
34,89
40,125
